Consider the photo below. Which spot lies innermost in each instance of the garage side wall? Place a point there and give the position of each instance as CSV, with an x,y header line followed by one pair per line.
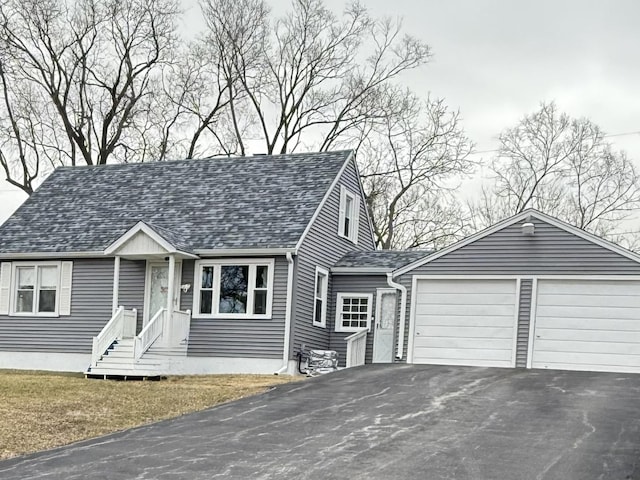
x,y
550,251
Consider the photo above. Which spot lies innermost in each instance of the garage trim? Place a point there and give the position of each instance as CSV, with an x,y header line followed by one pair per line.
x,y
414,297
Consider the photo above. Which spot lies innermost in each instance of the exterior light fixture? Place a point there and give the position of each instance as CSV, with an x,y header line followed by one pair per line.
x,y
528,229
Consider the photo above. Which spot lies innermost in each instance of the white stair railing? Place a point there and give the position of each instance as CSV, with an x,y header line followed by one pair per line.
x,y
356,348
180,325
121,324
149,334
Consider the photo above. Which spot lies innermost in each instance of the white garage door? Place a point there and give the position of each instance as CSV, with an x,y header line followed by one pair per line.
x,y
587,325
465,322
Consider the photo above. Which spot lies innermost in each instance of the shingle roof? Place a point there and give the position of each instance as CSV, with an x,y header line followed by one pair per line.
x,y
216,203
380,259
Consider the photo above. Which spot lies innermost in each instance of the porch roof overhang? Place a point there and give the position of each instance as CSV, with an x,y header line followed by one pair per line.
x,y
143,241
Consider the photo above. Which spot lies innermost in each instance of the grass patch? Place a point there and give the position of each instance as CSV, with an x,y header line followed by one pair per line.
x,y
42,410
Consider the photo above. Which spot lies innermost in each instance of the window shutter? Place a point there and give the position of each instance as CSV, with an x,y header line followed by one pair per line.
x,y
356,220
66,275
343,203
5,287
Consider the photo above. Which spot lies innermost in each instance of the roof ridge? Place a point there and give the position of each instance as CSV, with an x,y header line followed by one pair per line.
x,y
200,159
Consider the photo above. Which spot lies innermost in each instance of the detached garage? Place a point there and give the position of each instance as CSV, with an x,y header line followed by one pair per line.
x,y
530,292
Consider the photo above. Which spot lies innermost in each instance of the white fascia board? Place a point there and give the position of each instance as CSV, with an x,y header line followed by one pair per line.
x,y
323,201
35,255
515,219
360,270
244,252
364,199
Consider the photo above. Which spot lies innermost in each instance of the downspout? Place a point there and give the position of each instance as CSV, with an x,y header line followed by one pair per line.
x,y
403,313
287,317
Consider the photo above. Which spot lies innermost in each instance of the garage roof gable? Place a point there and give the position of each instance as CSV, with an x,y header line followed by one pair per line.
x,y
521,217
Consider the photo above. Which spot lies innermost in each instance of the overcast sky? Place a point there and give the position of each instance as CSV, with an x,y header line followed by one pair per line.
x,y
497,60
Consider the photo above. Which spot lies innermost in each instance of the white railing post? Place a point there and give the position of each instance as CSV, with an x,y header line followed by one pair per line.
x,y
95,356
116,283
129,323
171,286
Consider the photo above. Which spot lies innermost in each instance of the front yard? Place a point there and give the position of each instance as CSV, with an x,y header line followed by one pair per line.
x,y
41,410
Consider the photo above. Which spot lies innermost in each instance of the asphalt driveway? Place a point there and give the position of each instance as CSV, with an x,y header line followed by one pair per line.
x,y
393,422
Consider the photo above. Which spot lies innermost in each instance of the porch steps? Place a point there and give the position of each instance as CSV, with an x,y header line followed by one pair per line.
x,y
118,361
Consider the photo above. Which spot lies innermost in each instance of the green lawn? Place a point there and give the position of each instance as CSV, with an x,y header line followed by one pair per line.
x,y
41,410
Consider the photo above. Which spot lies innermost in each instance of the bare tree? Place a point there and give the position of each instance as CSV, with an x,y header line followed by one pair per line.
x,y
89,65
309,78
564,167
410,166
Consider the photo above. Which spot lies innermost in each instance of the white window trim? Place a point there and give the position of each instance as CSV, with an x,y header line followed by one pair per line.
x,y
322,273
14,289
270,262
343,295
354,224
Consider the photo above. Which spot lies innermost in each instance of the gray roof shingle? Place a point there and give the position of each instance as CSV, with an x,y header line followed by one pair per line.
x,y
380,259
215,203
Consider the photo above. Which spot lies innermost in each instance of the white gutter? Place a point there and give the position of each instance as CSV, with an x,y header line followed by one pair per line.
x,y
403,313
360,270
240,252
38,255
287,317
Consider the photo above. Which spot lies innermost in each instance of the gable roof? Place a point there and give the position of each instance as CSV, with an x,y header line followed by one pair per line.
x,y
377,261
520,217
236,203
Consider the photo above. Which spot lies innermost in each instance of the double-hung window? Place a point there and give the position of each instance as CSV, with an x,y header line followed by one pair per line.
x,y
348,221
320,297
353,312
234,288
36,289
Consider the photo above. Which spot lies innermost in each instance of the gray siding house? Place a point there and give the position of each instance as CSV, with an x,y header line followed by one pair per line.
x,y
239,264
195,266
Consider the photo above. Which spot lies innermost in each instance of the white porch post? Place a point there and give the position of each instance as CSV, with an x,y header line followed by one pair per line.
x,y
170,294
116,283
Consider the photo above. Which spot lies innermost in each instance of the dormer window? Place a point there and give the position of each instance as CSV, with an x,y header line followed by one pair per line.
x,y
349,213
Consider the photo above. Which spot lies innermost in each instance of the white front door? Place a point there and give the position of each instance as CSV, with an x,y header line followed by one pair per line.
x,y
384,325
157,287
